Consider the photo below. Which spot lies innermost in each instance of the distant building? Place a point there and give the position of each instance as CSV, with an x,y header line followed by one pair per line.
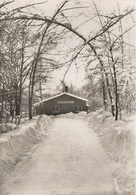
x,y
61,104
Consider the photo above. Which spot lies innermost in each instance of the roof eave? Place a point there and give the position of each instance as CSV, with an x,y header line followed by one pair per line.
x,y
38,103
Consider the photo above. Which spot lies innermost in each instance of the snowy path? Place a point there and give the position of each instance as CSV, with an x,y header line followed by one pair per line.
x,y
70,162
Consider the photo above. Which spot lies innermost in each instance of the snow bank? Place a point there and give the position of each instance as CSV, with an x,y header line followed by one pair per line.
x,y
15,144
118,139
7,127
72,115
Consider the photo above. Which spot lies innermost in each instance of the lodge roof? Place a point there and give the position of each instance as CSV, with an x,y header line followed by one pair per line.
x,y
53,97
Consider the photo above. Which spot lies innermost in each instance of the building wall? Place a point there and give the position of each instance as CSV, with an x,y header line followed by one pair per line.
x,y
61,105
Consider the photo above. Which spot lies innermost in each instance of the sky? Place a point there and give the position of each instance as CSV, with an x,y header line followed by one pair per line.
x,y
74,77
50,5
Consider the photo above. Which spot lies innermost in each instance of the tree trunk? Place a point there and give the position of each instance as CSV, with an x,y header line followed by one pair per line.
x,y
104,93
30,107
30,95
2,103
17,105
40,88
116,96
115,86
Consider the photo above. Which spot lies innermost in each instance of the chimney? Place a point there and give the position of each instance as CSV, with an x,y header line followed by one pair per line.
x,y
66,89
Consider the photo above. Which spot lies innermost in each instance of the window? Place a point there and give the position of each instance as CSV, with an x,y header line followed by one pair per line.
x,y
56,109
78,108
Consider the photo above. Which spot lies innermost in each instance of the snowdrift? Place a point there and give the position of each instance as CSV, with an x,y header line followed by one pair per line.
x,y
15,144
118,139
7,127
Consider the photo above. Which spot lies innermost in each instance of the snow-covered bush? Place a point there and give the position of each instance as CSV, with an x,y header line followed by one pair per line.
x,y
7,127
10,126
15,144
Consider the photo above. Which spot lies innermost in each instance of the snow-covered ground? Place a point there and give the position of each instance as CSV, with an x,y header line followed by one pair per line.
x,y
70,161
80,154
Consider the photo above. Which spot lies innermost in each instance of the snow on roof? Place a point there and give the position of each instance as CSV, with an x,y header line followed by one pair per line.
x,y
45,100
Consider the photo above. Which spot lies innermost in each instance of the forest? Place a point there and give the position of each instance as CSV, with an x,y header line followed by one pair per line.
x,y
33,45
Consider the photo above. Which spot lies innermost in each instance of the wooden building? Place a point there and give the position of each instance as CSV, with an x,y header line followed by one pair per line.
x,y
61,104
